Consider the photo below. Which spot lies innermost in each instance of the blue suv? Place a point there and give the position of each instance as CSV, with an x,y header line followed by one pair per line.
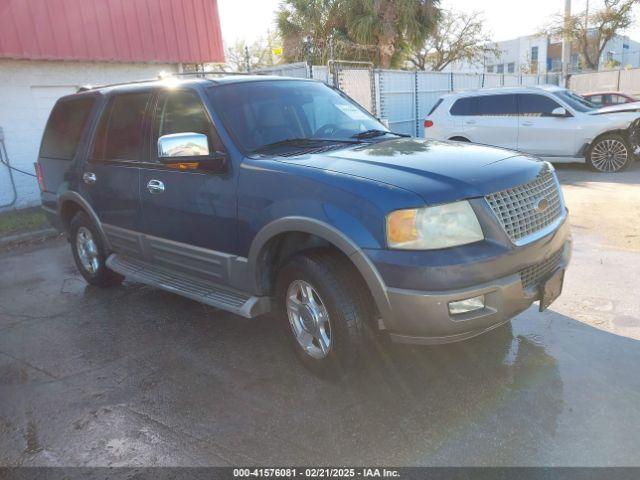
x,y
259,194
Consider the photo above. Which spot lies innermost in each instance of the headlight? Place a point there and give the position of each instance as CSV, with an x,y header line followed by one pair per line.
x,y
430,228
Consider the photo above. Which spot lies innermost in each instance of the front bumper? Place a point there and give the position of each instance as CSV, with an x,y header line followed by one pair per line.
x,y
423,316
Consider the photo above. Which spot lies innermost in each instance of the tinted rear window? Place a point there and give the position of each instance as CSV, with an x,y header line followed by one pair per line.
x,y
464,106
497,105
64,128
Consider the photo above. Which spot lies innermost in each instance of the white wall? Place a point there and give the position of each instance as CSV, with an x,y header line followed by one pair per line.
x,y
28,90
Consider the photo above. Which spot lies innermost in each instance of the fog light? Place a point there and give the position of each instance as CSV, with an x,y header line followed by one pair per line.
x,y
465,306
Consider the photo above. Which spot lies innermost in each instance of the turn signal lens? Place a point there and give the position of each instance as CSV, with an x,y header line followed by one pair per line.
x,y
402,227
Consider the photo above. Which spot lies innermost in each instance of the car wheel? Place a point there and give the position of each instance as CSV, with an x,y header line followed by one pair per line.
x,y
89,252
328,316
609,153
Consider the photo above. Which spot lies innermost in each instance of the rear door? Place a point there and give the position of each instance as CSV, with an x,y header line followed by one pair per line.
x,y
541,133
110,180
494,121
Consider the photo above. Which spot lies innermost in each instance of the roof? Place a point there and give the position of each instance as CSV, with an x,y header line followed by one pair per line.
x,y
163,31
178,80
516,89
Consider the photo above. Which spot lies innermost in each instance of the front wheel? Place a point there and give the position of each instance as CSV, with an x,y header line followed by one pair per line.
x,y
609,153
328,316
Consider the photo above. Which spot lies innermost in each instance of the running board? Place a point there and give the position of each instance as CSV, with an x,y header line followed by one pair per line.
x,y
217,296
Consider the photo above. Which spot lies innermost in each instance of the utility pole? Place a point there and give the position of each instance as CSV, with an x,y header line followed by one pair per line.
x,y
566,40
247,58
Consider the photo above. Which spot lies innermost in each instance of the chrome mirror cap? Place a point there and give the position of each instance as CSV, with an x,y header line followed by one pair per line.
x,y
188,144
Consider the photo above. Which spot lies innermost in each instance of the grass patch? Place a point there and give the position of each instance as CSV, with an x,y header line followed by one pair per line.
x,y
25,220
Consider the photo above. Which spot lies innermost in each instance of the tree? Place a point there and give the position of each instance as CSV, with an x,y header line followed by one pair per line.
x,y
590,32
393,26
456,37
297,19
260,53
378,30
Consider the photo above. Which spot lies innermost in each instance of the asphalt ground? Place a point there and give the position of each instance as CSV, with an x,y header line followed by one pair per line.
x,y
139,377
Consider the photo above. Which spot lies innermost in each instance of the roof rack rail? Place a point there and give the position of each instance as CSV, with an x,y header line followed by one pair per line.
x,y
85,88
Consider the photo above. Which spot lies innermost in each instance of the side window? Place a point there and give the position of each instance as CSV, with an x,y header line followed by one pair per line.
x,y
464,106
183,112
121,129
64,128
597,99
497,105
537,105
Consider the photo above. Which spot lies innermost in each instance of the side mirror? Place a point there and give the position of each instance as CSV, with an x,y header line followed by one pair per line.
x,y
559,112
189,151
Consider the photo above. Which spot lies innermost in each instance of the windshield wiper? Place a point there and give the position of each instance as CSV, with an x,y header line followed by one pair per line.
x,y
374,132
300,142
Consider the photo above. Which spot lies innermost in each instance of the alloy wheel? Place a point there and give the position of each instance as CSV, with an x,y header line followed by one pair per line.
x,y
309,319
87,250
609,155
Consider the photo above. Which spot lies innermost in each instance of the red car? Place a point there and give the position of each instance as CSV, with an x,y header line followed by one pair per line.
x,y
604,99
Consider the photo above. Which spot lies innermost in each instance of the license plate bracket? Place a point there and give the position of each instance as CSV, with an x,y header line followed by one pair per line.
x,y
551,289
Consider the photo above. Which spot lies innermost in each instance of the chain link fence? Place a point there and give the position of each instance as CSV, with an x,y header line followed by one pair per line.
x,y
404,98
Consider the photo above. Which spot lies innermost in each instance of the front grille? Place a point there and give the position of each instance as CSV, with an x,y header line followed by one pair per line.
x,y
517,207
534,274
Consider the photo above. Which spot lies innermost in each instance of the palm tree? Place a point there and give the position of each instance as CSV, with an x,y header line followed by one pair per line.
x,y
387,27
391,25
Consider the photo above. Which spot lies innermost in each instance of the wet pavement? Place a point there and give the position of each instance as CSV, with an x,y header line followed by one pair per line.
x,y
137,376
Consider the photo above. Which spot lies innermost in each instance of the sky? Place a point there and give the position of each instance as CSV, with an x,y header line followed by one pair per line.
x,y
250,19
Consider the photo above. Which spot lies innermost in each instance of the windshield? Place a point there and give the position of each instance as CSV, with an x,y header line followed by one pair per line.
x,y
575,101
258,114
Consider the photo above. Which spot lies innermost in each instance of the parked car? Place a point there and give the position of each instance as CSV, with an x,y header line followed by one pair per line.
x,y
548,121
262,194
605,99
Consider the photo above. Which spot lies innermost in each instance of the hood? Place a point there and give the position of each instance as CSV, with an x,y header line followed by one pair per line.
x,y
437,171
623,107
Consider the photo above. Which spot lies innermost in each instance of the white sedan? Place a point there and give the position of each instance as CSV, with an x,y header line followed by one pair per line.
x,y
550,122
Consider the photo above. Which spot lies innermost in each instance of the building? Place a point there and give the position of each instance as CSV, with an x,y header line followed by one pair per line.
x,y
539,54
542,53
50,48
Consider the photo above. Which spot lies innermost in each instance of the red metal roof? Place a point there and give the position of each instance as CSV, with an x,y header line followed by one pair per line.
x,y
186,31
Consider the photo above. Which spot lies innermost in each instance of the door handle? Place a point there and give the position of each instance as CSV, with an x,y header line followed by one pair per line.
x,y
155,186
526,124
89,178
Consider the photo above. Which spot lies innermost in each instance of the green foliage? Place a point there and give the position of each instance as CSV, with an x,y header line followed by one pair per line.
x,y
381,31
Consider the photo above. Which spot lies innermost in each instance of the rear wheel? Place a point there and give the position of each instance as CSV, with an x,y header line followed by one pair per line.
x,y
327,314
609,153
89,252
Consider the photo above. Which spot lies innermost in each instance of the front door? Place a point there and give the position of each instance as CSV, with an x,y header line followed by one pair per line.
x,y
110,179
189,213
540,132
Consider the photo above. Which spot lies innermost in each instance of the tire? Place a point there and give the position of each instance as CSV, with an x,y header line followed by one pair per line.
x,y
89,253
609,153
338,288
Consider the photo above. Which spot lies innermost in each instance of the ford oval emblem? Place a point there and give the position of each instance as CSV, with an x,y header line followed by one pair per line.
x,y
541,204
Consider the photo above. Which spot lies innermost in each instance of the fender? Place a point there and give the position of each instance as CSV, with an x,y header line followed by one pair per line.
x,y
71,196
332,235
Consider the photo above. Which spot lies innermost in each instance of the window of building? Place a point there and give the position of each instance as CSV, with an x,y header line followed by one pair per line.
x,y
500,68
120,131
490,69
511,67
64,128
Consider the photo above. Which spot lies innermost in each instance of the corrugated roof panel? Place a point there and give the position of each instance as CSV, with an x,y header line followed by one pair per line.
x,y
185,31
